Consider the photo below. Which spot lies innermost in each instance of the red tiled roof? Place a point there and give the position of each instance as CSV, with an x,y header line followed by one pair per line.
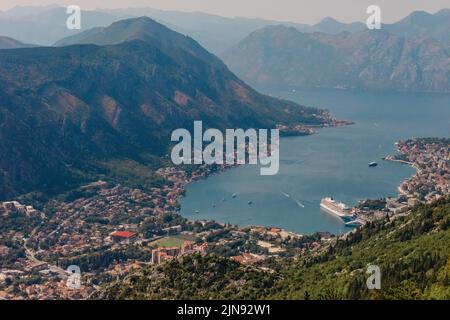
x,y
123,234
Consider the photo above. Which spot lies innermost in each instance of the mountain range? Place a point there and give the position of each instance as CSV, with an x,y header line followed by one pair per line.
x,y
424,24
370,59
218,33
47,25
67,113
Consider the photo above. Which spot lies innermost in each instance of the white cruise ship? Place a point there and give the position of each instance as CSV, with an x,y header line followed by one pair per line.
x,y
337,208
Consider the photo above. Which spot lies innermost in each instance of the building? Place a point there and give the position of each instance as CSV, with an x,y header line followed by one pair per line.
x,y
187,246
412,202
123,236
164,254
247,258
173,230
203,248
38,266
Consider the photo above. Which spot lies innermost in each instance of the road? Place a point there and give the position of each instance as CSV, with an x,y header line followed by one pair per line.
x,y
31,256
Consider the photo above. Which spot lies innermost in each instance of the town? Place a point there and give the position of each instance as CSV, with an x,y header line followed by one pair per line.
x,y
431,159
109,230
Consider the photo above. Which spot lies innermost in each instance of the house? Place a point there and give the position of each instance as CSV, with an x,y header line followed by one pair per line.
x,y
203,248
274,231
187,246
38,266
164,254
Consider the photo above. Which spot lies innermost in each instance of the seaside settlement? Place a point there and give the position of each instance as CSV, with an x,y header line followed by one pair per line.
x,y
109,230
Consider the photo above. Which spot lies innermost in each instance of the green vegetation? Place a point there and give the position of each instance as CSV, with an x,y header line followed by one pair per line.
x,y
18,222
195,277
377,204
102,258
412,252
131,173
8,259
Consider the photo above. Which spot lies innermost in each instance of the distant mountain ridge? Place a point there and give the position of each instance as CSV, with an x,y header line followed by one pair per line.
x,y
46,25
329,25
67,112
10,43
371,59
423,24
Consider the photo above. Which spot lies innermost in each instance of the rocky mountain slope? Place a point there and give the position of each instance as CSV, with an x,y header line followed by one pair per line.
x,y
424,24
67,112
378,59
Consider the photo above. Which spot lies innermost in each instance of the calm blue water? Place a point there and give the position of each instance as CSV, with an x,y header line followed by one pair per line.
x,y
331,163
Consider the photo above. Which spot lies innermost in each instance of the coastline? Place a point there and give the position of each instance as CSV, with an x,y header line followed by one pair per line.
x,y
285,132
391,158
407,197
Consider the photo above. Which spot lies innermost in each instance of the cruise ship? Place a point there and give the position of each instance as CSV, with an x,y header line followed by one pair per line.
x,y
337,208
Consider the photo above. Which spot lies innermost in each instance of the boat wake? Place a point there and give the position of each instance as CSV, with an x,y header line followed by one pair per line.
x,y
299,204
287,195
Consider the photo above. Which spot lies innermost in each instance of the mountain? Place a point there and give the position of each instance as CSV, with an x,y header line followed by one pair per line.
x,y
411,251
10,43
69,114
213,32
423,24
217,33
332,26
371,59
45,25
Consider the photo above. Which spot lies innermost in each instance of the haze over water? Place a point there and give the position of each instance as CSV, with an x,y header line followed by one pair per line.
x,y
333,162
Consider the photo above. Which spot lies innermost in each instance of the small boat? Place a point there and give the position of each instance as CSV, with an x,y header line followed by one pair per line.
x,y
234,195
373,164
196,211
299,204
250,202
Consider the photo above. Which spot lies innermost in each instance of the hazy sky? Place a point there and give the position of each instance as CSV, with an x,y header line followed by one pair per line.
x,y
306,11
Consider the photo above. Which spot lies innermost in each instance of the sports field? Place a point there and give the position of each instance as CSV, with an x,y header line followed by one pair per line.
x,y
175,241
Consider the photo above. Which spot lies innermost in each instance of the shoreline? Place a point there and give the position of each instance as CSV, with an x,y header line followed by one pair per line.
x,y
333,123
391,158
400,205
